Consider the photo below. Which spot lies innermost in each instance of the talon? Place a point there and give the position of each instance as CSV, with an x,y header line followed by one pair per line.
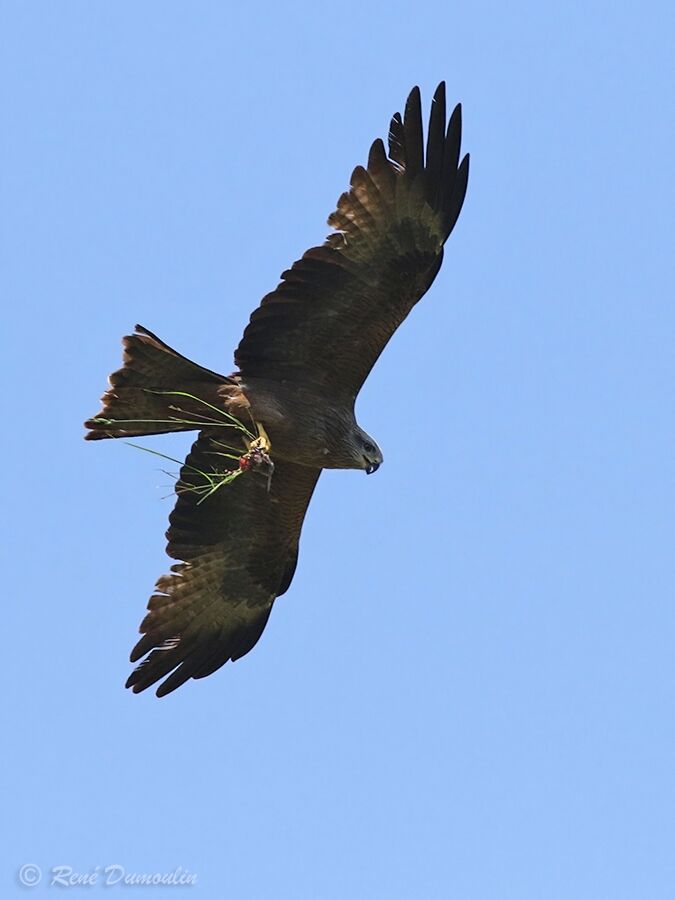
x,y
262,442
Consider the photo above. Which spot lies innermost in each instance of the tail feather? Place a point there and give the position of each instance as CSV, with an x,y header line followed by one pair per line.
x,y
147,395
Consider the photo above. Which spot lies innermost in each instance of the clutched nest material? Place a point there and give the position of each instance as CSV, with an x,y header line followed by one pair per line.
x,y
251,456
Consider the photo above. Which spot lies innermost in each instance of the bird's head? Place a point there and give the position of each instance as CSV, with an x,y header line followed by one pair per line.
x,y
368,454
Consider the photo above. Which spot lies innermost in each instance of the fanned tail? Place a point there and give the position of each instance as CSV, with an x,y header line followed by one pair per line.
x,y
156,391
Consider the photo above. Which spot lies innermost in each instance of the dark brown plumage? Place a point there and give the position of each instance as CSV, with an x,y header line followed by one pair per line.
x,y
336,308
301,363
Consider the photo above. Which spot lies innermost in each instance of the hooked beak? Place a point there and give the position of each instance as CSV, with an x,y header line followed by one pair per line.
x,y
372,467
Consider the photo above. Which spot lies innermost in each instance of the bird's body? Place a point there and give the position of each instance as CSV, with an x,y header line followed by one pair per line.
x,y
301,363
320,442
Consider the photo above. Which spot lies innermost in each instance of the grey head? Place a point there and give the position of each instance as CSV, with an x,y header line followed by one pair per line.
x,y
367,454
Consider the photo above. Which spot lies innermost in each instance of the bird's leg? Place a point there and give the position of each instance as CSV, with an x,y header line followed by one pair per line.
x,y
262,442
257,457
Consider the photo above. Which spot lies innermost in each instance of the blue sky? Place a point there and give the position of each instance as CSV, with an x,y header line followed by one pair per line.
x,y
469,690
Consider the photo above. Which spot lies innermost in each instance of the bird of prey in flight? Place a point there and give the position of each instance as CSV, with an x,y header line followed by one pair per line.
x,y
267,431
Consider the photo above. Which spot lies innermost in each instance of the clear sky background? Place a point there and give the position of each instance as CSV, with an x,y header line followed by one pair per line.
x,y
469,690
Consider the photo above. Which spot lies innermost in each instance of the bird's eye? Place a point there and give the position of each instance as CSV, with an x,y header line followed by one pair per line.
x,y
368,447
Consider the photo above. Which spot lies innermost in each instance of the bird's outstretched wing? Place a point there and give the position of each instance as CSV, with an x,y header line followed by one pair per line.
x,y
334,311
239,549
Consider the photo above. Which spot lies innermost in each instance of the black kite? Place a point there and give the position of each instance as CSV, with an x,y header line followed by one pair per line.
x,y
303,358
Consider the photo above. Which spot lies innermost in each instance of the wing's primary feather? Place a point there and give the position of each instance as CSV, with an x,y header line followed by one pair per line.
x,y
334,311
